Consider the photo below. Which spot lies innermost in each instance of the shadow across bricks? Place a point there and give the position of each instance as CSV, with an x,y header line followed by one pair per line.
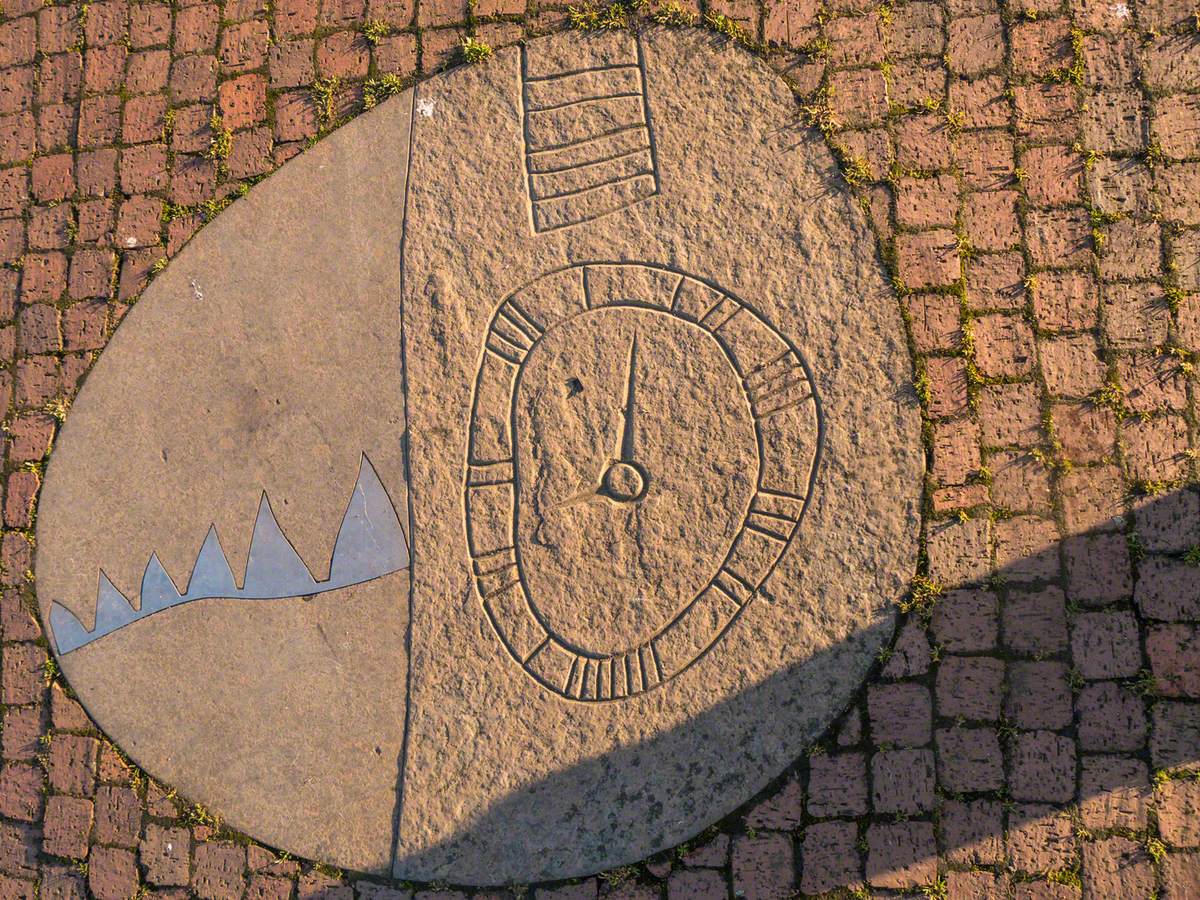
x,y
1032,724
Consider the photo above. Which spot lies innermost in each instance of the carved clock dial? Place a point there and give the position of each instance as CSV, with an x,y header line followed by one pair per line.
x,y
635,461
642,446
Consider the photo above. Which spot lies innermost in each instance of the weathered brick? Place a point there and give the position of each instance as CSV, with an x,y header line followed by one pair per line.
x,y
1040,838
916,29
990,219
980,102
165,853
1121,186
1178,804
855,40
244,46
970,687
1113,792
1054,175
1058,237
67,826
972,831
1174,652
1035,621
118,815
1072,366
986,159
1176,125
196,28
1116,867
21,728
923,142
1170,61
900,714
1111,718
703,884
1108,61
928,258
73,764
764,867
22,674
1040,47
902,781
18,849
976,44
21,791
901,854
1093,499
112,873
218,871
1135,315
781,811
935,321
829,857
837,785
16,617
966,620
192,78
1039,695
1132,250
148,71
1156,449
1180,873
1020,482
1010,415
1027,548
960,552
1175,735
1114,122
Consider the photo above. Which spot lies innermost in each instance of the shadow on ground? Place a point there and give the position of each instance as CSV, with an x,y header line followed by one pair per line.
x,y
1015,714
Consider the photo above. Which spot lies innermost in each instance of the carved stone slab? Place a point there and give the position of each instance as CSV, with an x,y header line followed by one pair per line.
x,y
507,488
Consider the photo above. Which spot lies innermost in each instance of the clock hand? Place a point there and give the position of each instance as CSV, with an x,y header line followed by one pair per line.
x,y
627,434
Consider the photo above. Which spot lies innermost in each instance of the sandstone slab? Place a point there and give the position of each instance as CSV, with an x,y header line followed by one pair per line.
x,y
508,487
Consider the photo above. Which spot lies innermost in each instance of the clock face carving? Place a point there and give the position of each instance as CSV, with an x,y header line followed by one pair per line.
x,y
642,445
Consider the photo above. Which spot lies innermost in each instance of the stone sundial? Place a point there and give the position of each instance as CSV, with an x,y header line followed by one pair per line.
x,y
507,488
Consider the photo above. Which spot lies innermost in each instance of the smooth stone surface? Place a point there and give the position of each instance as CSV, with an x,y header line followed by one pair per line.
x,y
264,358
621,353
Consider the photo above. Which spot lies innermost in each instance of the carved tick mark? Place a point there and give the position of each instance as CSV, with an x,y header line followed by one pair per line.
x,y
627,434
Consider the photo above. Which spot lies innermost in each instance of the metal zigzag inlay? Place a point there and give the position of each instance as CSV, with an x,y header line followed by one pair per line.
x,y
369,545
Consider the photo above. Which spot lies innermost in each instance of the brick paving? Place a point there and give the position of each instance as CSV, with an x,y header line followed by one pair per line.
x,y
1033,174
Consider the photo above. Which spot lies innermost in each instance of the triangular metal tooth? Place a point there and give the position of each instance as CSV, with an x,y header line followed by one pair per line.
x,y
211,575
113,609
370,542
158,590
273,567
68,632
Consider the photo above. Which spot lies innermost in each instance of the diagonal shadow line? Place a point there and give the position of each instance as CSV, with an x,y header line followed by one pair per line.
x,y
1088,753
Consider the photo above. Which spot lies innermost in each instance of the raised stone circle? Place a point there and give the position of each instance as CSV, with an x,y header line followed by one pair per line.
x,y
546,543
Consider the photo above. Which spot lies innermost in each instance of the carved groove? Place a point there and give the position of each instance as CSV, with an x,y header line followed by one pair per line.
x,y
776,380
588,139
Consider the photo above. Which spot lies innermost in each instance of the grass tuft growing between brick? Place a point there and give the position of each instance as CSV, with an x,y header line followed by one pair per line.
x,y
374,31
673,15
376,90
591,17
474,51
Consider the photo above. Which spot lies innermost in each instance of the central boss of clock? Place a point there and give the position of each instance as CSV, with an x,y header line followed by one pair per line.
x,y
641,449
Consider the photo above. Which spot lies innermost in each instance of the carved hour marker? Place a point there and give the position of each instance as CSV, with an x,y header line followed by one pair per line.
x,y
672,411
